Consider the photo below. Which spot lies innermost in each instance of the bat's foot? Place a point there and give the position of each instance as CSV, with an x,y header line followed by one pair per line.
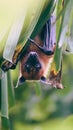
x,y
6,65
55,84
55,80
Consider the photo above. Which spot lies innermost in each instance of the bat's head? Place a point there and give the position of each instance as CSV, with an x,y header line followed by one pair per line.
x,y
34,62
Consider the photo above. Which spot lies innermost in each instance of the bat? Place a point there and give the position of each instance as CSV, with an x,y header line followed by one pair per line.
x,y
34,59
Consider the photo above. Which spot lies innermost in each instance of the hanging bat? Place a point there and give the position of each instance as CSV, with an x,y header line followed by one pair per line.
x,y
34,59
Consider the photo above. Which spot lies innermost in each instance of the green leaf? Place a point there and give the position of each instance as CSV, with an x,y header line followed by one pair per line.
x,y
60,33
0,73
5,123
33,16
45,15
3,38
8,13
7,99
12,39
11,96
38,88
65,27
69,40
4,103
56,64
4,96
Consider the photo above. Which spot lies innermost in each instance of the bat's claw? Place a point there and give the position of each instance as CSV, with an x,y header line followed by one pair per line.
x,y
55,80
55,84
52,82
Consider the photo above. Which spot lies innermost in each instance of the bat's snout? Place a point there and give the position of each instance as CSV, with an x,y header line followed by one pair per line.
x,y
32,63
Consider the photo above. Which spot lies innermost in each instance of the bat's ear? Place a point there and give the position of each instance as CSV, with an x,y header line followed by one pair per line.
x,y
20,81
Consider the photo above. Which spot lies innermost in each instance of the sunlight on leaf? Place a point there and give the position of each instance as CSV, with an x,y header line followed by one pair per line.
x,y
31,19
12,39
3,38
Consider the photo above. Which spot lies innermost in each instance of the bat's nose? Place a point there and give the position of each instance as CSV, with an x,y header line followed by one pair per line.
x,y
32,62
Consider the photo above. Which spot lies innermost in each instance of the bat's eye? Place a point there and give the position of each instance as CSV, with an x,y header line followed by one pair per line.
x,y
27,67
38,66
32,62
